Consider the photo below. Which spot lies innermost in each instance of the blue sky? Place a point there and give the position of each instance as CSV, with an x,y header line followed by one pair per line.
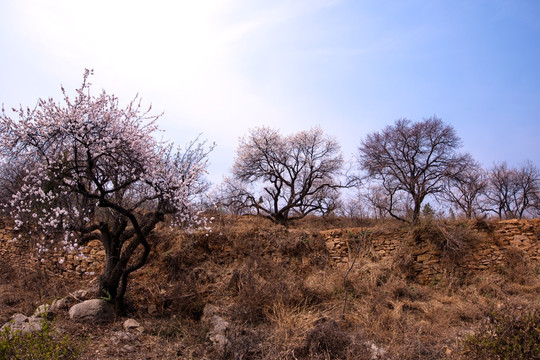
x,y
352,67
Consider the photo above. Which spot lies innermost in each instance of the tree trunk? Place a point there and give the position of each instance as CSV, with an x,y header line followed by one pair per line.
x,y
110,278
416,212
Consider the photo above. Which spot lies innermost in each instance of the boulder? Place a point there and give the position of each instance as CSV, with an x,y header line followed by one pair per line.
x,y
23,323
92,311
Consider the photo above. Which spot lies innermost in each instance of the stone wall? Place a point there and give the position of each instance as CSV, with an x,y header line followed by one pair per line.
x,y
487,250
85,262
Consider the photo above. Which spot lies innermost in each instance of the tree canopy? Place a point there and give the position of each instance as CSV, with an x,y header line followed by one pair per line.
x,y
91,169
285,177
412,159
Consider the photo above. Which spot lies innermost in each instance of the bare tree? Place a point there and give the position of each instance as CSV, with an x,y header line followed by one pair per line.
x,y
413,159
285,177
464,190
513,192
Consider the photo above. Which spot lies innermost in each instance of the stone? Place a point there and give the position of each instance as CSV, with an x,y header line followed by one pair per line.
x,y
42,311
80,295
376,351
518,240
122,337
219,327
219,340
59,305
209,311
23,323
152,309
132,324
92,311
423,257
128,349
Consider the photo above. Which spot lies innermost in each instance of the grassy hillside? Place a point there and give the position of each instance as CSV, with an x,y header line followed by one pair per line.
x,y
280,295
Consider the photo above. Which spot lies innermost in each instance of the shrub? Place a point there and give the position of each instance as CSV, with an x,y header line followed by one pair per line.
x,y
43,345
452,240
326,339
485,226
243,344
516,267
509,335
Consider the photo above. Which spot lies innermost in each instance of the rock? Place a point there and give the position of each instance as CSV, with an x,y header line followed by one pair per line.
x,y
59,305
152,309
124,337
125,342
376,351
218,326
81,295
218,333
219,340
131,324
92,311
23,323
42,311
127,349
209,311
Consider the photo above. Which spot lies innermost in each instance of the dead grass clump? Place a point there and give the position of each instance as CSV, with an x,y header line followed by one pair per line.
x,y
490,287
243,344
251,297
326,340
484,226
185,300
409,292
317,223
255,289
183,254
403,261
303,245
452,240
516,266
28,287
321,285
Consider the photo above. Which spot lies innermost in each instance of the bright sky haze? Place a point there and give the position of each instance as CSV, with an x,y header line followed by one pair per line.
x,y
351,67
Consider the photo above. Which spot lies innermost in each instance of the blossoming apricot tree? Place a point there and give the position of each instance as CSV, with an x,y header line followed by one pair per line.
x,y
90,169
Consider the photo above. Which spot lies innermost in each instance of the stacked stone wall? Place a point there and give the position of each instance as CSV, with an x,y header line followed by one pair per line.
x,y
488,249
84,262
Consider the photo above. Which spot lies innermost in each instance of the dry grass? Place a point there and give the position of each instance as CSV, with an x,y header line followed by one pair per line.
x,y
283,297
25,286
